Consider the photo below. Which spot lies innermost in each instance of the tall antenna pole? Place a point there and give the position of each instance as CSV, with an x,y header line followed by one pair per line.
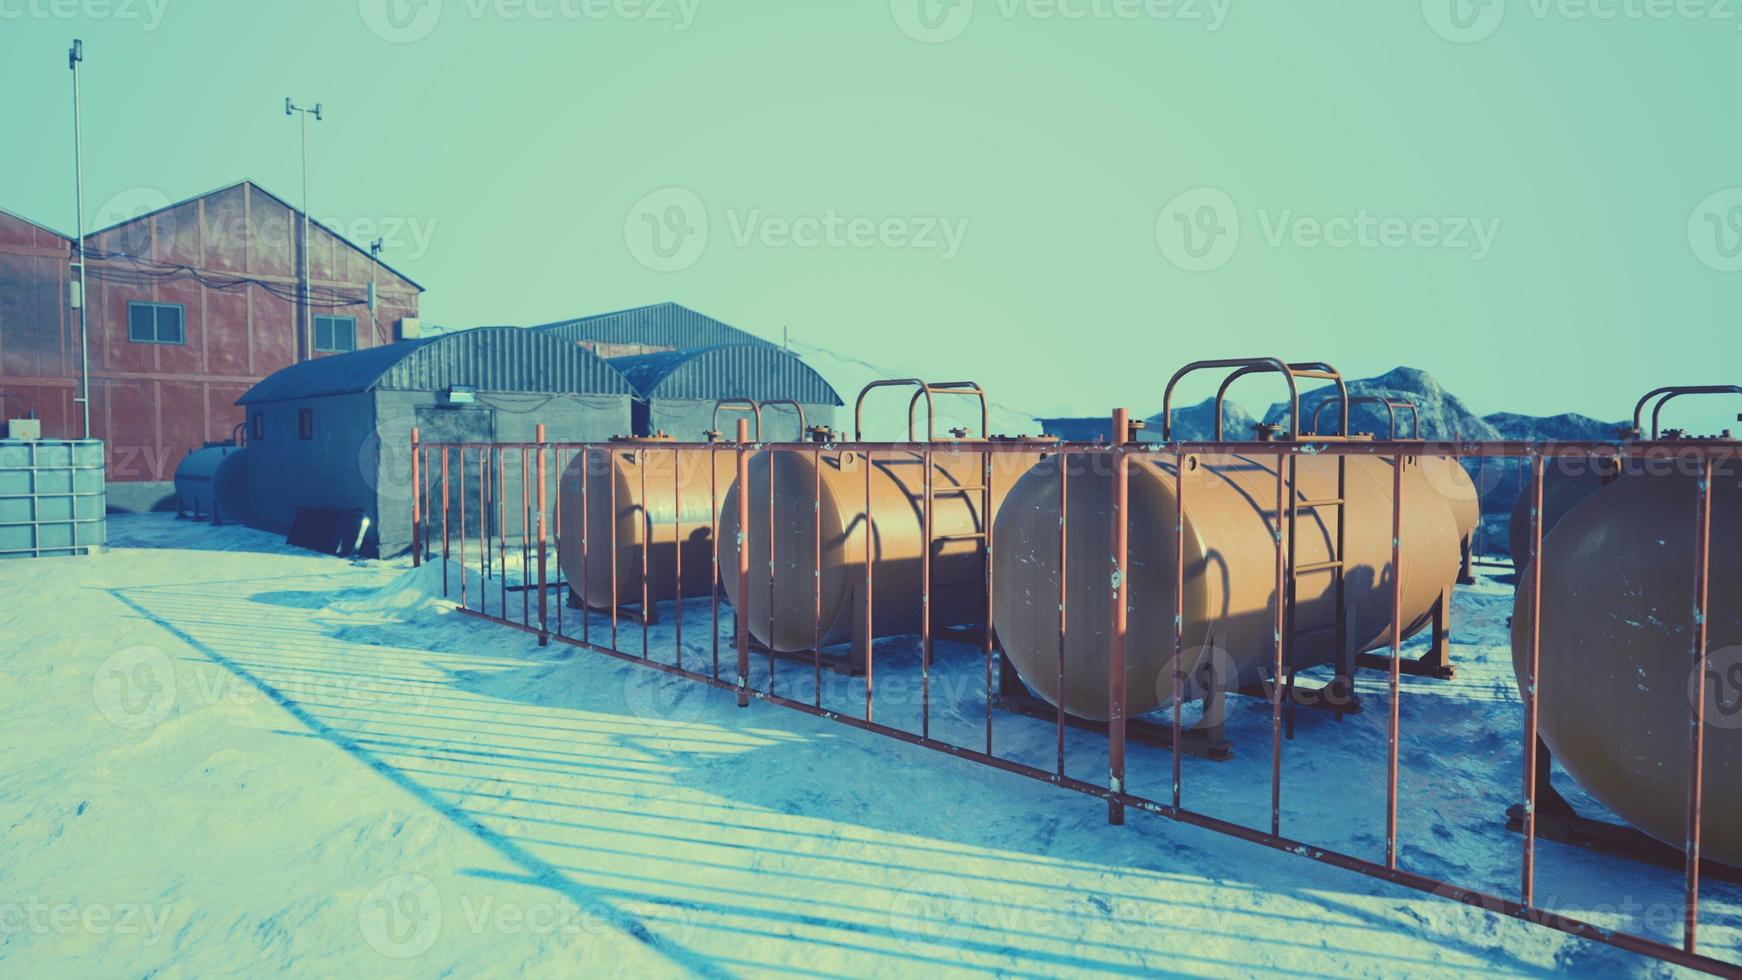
x,y
374,298
74,57
308,329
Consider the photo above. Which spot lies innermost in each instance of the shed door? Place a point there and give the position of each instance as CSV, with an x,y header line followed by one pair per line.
x,y
465,474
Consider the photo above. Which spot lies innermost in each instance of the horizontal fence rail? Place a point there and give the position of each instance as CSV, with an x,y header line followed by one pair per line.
x,y
461,516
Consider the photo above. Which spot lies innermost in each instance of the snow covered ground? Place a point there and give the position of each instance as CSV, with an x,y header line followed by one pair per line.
x,y
223,756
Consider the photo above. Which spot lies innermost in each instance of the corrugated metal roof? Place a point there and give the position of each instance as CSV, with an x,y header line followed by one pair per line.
x,y
488,358
661,325
764,373
316,222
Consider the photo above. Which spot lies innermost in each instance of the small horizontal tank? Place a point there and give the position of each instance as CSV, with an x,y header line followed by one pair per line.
x,y
212,483
683,482
1617,651
1230,567
837,493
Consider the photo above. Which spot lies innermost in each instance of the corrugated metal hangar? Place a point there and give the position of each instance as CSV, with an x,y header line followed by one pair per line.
x,y
336,433
649,330
677,391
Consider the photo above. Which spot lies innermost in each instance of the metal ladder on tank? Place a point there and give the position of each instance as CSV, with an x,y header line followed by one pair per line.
x,y
1339,695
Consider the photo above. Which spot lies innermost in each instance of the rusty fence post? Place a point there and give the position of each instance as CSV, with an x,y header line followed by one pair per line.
x,y
462,498
1393,722
817,578
1533,663
868,633
1116,639
543,550
644,524
1697,733
1064,603
1279,627
1181,465
742,618
925,563
446,515
416,507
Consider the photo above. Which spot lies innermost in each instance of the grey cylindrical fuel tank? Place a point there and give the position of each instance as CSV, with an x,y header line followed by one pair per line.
x,y
837,493
1230,570
1569,480
1617,649
213,483
682,485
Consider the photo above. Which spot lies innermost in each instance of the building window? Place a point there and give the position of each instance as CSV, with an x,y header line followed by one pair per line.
x,y
155,323
305,424
335,334
257,427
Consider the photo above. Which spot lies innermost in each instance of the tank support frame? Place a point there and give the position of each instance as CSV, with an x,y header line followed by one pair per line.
x,y
1436,663
1559,821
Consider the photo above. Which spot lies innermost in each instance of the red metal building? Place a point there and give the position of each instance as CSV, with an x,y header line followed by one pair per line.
x,y
188,307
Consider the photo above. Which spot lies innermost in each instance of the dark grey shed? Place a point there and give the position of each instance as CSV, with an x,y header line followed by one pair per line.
x,y
335,432
649,330
677,390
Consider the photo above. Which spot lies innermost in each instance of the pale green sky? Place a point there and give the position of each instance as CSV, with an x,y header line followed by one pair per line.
x,y
1516,195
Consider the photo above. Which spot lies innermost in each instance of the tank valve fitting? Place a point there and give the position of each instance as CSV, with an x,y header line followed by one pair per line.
x,y
1268,431
821,433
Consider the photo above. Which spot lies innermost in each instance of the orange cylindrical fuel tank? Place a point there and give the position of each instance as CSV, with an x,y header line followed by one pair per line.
x,y
1452,481
691,477
897,494
1617,654
1230,570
